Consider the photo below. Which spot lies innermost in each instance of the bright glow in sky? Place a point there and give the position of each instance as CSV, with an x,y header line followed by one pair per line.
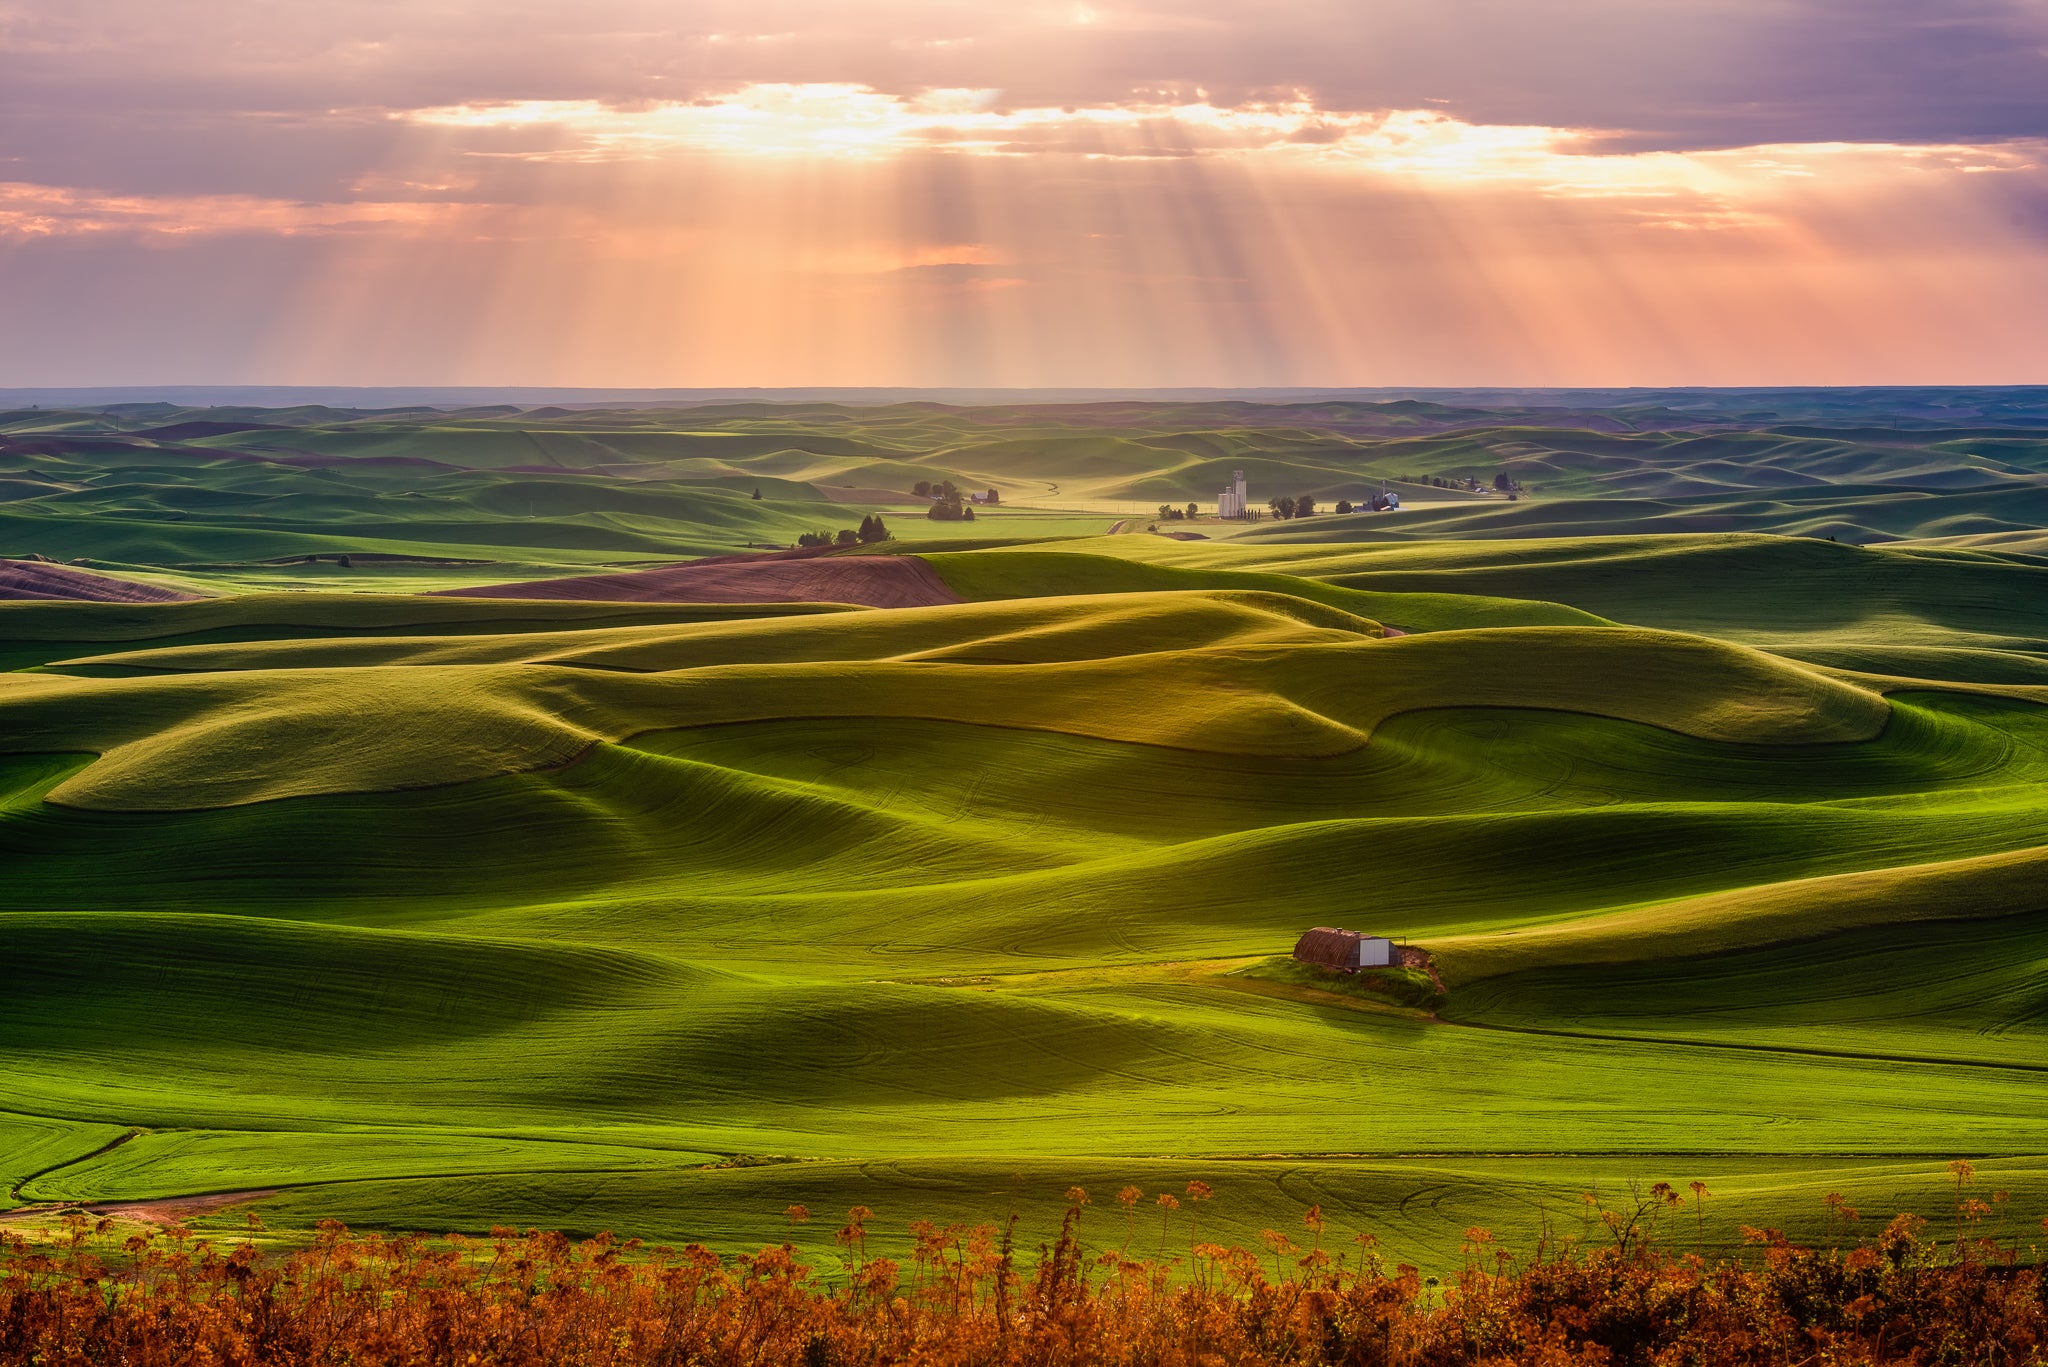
x,y
907,192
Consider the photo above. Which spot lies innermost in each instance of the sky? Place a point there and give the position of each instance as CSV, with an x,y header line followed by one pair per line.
x,y
1115,193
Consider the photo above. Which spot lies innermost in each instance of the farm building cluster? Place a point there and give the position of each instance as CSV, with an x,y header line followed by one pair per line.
x,y
1234,503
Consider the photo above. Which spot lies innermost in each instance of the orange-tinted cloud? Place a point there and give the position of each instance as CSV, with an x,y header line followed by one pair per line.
x,y
1115,192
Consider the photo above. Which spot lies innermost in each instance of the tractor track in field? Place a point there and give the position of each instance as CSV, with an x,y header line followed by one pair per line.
x,y
1803,1051
1207,973
14,1192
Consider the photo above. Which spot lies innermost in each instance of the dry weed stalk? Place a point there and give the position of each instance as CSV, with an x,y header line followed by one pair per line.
x,y
84,1296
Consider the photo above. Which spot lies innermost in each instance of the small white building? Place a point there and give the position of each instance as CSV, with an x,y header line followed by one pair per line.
x,y
1230,503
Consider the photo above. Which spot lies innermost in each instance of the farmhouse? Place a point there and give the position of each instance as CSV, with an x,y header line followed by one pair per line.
x,y
1347,950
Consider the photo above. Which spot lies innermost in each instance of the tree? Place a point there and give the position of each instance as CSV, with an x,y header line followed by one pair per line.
x,y
1165,510
923,488
994,497
1502,483
1282,506
848,537
757,493
873,529
1194,511
1343,505
1305,506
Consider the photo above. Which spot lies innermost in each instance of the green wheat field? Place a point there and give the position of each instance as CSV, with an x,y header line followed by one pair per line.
x,y
1711,769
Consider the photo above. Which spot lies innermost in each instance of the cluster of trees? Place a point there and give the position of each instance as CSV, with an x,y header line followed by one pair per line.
x,y
1140,1281
947,492
1501,482
871,530
1169,513
1285,507
949,504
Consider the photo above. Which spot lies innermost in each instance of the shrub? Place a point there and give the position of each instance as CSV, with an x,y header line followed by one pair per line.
x,y
1617,1296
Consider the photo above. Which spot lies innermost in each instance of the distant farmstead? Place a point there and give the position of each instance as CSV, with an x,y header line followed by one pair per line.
x,y
1345,950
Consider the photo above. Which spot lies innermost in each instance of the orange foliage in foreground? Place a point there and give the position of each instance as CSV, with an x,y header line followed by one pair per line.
x,y
965,1298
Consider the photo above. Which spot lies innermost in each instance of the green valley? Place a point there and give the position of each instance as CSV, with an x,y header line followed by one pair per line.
x,y
941,873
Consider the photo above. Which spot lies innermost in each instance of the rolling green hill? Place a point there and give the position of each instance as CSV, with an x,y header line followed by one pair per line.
x,y
1730,849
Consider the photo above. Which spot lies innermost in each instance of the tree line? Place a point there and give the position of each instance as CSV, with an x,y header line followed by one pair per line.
x,y
949,503
871,530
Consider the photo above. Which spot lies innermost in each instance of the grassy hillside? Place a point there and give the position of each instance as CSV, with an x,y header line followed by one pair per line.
x,y
451,912
1803,596
2013,508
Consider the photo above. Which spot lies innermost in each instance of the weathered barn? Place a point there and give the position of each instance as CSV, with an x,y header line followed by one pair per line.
x,y
1345,950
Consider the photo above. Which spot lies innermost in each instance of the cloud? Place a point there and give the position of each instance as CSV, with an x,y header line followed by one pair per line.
x,y
1707,73
33,211
635,191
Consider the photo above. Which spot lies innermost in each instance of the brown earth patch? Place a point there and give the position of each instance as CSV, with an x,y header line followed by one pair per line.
x,y
163,1210
171,1210
839,495
22,580
876,581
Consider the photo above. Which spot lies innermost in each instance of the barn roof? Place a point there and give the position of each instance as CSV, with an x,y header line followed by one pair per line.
x,y
1329,945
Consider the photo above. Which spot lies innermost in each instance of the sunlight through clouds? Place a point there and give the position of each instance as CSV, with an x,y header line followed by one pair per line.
x,y
838,120
1119,192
